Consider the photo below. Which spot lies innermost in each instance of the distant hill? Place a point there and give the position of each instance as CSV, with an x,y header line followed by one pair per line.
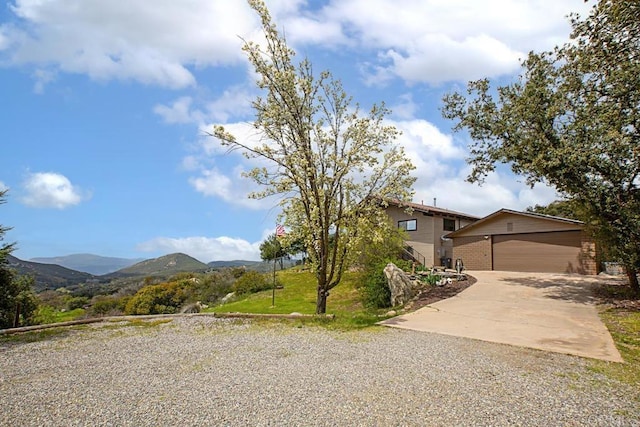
x,y
163,266
89,263
260,266
49,276
235,263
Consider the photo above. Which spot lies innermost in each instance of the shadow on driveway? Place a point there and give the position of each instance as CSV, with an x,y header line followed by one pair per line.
x,y
550,312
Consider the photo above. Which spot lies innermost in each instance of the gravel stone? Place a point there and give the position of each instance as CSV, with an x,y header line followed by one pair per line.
x,y
201,370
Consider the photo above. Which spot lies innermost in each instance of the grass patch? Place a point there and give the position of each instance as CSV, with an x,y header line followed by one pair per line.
x,y
624,326
66,316
298,295
148,323
34,336
140,323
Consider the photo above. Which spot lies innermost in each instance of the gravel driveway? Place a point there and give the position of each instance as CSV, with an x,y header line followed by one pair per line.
x,y
201,370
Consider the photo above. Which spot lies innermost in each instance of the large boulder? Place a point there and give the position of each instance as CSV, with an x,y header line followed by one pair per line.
x,y
401,287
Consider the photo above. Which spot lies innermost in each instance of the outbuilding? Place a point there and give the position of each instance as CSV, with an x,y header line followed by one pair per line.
x,y
509,240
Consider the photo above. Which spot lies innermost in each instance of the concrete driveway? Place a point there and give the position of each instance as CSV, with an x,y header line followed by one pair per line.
x,y
550,312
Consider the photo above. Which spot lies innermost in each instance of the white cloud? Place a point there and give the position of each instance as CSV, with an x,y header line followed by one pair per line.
x,y
233,188
499,191
3,186
42,78
439,59
205,249
405,108
179,111
4,39
234,102
431,152
153,43
161,42
50,190
218,172
454,40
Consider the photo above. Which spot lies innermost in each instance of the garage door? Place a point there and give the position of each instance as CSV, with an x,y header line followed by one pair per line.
x,y
556,252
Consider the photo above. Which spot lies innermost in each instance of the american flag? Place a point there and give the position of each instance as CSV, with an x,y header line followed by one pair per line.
x,y
280,230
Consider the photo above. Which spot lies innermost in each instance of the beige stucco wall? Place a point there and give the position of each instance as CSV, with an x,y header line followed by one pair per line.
x,y
519,224
427,238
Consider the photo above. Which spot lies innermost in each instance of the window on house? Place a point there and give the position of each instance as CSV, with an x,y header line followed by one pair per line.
x,y
509,226
408,225
449,224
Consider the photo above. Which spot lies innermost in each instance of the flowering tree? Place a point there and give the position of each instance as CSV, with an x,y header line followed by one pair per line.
x,y
331,162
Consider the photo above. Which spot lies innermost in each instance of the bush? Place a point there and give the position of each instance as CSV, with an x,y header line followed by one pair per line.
x,y
44,314
402,264
76,302
210,287
431,279
164,298
374,290
251,282
108,305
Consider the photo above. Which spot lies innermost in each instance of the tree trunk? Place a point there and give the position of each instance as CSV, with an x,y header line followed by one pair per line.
x,y
16,319
321,301
632,274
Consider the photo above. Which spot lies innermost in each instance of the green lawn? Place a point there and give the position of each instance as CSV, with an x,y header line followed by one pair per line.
x,y
299,296
624,326
65,316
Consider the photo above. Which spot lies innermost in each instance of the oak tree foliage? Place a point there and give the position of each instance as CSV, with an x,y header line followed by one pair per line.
x,y
17,300
573,121
329,161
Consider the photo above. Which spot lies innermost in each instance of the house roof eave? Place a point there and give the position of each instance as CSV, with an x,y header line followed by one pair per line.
x,y
513,212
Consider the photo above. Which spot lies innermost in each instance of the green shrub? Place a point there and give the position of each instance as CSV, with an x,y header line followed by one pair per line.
x,y
77,302
210,287
44,314
103,305
164,298
431,279
402,264
251,282
374,290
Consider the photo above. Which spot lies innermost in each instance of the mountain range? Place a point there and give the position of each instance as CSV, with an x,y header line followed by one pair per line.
x,y
48,276
56,273
89,263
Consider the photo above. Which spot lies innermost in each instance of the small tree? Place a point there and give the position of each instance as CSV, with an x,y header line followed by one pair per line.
x,y
573,121
271,249
17,300
328,159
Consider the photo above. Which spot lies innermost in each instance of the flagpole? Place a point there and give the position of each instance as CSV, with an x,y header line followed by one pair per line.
x,y
273,290
279,232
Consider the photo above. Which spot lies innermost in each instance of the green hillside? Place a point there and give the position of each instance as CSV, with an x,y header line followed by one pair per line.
x,y
49,276
163,266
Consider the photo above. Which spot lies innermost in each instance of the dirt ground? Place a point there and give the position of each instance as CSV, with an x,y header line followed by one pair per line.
x,y
430,294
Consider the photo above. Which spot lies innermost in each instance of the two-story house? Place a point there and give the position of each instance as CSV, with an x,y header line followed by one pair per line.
x,y
426,227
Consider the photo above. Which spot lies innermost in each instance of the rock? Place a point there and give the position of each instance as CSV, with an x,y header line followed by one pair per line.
x,y
401,287
444,281
225,299
192,308
391,313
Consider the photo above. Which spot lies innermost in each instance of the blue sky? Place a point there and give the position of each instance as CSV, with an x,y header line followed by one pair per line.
x,y
105,104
